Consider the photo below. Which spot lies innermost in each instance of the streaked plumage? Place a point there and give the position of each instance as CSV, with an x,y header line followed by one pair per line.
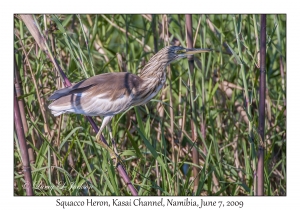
x,y
111,93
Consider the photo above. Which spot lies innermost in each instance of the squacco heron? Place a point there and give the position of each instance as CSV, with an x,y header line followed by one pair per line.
x,y
111,93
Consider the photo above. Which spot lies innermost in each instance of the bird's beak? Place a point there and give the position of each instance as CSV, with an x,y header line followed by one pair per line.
x,y
193,51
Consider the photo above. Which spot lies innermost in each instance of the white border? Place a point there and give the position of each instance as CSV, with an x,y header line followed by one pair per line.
x,y
8,8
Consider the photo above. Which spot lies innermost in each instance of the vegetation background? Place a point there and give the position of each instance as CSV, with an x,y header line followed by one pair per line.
x,y
205,109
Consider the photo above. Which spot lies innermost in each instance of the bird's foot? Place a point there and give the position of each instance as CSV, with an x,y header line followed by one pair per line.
x,y
113,153
114,145
98,137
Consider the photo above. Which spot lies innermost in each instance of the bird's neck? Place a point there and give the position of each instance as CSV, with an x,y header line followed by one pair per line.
x,y
153,79
154,70
153,76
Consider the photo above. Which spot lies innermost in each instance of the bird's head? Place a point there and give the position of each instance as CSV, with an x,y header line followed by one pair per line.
x,y
173,53
165,56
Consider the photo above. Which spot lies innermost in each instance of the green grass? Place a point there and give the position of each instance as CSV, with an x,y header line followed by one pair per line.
x,y
144,135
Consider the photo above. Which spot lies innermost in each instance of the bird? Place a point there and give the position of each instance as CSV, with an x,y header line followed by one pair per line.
x,y
109,94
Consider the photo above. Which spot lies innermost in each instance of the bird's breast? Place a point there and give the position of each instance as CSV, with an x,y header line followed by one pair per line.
x,y
147,92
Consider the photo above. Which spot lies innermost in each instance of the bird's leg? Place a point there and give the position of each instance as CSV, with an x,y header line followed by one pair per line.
x,y
113,153
105,121
98,136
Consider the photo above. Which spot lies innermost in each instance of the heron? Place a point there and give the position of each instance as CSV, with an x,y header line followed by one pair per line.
x,y
109,94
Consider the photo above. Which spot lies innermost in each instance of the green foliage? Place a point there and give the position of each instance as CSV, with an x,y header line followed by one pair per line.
x,y
154,141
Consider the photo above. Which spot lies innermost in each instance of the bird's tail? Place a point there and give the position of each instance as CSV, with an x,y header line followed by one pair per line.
x,y
61,105
57,113
57,110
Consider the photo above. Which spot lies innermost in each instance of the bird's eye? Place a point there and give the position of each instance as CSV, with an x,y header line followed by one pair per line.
x,y
180,51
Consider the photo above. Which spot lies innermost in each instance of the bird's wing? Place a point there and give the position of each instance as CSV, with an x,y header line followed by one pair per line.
x,y
67,91
107,83
98,95
78,87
